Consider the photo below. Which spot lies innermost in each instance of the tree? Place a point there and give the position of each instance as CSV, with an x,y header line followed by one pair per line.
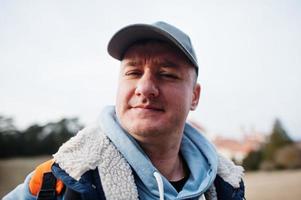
x,y
9,137
36,139
278,138
55,134
253,160
7,125
275,153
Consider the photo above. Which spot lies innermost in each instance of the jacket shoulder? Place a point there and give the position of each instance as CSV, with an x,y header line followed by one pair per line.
x,y
89,185
226,191
229,180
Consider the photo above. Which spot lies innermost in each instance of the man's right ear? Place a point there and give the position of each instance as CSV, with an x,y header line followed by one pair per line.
x,y
196,96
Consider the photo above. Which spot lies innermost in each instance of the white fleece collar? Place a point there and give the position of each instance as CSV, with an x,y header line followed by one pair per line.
x,y
91,148
230,172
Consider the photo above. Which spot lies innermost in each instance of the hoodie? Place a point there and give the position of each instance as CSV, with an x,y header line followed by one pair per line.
x,y
199,154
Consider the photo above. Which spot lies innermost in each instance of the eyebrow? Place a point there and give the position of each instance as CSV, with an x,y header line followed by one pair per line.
x,y
158,62
166,63
132,62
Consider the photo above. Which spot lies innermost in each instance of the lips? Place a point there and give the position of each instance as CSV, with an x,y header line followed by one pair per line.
x,y
149,107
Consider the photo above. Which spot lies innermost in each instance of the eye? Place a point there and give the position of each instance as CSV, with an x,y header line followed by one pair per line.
x,y
169,75
133,73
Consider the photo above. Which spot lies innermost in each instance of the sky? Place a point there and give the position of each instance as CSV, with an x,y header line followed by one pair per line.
x,y
54,63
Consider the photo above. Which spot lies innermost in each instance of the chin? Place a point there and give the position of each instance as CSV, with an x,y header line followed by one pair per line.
x,y
144,130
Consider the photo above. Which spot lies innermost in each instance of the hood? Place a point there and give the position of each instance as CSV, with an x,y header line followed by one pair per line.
x,y
199,154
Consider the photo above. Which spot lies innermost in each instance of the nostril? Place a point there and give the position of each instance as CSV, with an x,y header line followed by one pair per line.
x,y
147,87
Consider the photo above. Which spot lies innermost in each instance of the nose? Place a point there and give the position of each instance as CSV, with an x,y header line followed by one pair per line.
x,y
146,86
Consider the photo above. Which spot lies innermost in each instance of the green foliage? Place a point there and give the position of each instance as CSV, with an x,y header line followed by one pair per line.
x,y
277,153
278,139
253,160
9,137
36,139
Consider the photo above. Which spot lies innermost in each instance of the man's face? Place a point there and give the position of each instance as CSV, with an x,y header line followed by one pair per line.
x,y
156,91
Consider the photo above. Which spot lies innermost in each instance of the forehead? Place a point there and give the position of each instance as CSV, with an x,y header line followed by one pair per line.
x,y
155,51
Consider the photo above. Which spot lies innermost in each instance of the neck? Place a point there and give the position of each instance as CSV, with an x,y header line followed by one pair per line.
x,y
167,159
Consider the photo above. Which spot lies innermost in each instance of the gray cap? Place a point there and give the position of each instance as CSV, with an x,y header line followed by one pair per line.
x,y
128,35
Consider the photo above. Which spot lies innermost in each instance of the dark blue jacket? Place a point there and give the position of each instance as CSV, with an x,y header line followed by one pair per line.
x,y
89,186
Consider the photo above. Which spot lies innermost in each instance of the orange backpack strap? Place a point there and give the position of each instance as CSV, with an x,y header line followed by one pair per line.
x,y
43,173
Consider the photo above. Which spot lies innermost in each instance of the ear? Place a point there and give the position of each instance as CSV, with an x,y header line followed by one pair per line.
x,y
196,96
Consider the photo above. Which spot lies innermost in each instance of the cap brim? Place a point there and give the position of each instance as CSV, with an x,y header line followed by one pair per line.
x,y
125,37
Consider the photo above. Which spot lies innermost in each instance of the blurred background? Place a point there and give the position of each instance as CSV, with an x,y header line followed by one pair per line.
x,y
56,76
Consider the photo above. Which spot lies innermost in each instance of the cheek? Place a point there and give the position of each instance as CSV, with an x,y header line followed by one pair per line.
x,y
182,105
180,97
124,92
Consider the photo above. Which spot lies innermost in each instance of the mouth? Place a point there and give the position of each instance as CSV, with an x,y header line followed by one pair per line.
x,y
148,108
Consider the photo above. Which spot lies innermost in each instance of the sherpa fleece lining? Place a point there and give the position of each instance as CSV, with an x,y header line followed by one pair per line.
x,y
91,148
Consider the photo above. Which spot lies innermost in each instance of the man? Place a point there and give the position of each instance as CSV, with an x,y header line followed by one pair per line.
x,y
142,148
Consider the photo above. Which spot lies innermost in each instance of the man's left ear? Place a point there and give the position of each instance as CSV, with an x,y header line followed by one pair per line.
x,y
196,96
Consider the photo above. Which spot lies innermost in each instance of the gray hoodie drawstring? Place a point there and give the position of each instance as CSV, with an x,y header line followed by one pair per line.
x,y
160,184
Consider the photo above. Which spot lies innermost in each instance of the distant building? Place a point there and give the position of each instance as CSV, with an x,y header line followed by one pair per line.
x,y
235,149
238,149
